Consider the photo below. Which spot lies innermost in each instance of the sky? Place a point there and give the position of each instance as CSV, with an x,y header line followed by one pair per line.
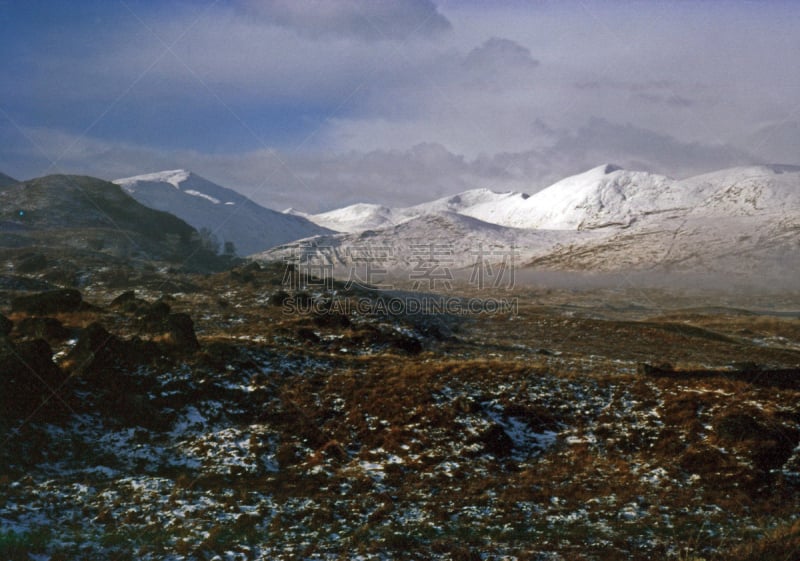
x,y
316,104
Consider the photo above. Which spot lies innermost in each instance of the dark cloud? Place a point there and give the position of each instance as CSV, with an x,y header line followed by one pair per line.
x,y
777,143
658,92
498,63
600,140
316,181
368,20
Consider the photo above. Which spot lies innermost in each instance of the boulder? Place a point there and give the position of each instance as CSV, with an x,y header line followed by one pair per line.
x,y
6,325
496,441
31,263
28,378
50,302
49,329
179,329
98,353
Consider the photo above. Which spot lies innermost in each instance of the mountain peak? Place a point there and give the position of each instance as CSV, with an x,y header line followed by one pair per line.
x,y
174,177
603,169
229,215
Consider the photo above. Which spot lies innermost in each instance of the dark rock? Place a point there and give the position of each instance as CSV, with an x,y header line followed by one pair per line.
x,y
278,298
28,378
124,300
307,334
49,329
94,350
537,418
50,302
158,323
6,325
330,317
180,332
218,355
370,335
704,459
31,263
247,273
737,427
767,443
303,300
497,442
99,353
410,345
655,370
152,316
774,453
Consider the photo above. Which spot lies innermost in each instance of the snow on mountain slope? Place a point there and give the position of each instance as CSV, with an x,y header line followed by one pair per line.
x,y
358,217
447,238
601,197
365,216
228,214
746,190
736,247
606,219
465,203
608,196
743,222
605,196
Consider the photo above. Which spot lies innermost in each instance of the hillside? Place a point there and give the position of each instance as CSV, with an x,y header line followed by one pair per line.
x,y
228,215
83,219
6,180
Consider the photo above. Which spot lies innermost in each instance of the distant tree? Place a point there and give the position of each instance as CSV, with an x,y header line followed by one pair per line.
x,y
174,245
207,240
229,249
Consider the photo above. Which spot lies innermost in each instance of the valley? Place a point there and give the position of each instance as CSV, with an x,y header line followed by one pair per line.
x,y
414,391
588,424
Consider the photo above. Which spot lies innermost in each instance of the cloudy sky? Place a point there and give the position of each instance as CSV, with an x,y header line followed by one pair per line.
x,y
320,103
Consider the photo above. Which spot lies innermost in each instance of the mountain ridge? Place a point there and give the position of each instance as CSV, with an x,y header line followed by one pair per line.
x,y
609,219
227,214
84,218
6,180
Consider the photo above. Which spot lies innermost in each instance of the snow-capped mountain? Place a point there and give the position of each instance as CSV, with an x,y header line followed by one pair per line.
x,y
605,219
230,216
477,203
739,220
444,240
358,217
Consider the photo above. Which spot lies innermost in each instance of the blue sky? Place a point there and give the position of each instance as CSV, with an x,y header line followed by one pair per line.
x,y
314,104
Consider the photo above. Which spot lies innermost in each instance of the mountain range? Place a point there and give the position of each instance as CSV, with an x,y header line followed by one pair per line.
x,y
607,219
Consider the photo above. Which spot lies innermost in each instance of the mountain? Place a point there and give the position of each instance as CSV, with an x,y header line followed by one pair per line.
x,y
6,180
357,218
605,219
604,196
230,216
84,219
739,221
366,216
601,197
444,241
